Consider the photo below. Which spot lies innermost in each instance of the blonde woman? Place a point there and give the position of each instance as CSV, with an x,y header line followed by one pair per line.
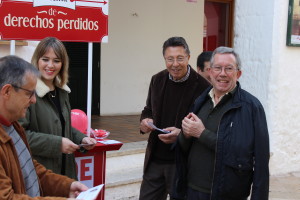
x,y
48,128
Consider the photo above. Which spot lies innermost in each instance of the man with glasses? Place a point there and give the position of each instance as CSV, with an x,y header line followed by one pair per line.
x,y
29,92
21,177
225,139
171,94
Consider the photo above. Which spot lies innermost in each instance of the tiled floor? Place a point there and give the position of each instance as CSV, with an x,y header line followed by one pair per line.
x,y
124,128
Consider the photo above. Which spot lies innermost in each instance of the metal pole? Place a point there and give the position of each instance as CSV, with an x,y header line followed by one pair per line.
x,y
89,93
12,47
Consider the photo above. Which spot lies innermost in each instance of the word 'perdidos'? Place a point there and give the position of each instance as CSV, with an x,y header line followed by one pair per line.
x,y
37,22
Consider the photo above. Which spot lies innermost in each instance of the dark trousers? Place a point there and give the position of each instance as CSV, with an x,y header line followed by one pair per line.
x,y
157,181
196,195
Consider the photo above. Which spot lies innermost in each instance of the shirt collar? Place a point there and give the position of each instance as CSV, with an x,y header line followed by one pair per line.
x,y
4,121
183,78
212,94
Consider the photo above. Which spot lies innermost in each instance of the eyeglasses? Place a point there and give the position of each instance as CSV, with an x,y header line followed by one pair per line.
x,y
178,60
228,69
30,92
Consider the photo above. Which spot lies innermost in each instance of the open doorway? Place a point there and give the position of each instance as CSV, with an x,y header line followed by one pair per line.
x,y
218,24
78,74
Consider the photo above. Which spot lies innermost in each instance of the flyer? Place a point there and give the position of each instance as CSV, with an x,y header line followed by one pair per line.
x,y
90,194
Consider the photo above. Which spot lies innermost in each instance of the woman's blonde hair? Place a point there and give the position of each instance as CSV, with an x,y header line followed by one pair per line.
x,y
60,51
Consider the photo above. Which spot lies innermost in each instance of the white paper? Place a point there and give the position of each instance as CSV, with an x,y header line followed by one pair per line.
x,y
161,130
90,194
109,142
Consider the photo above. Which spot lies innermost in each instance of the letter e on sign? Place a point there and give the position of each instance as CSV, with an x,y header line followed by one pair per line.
x,y
85,170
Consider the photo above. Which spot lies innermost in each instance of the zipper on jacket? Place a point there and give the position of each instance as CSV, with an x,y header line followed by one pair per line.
x,y
231,124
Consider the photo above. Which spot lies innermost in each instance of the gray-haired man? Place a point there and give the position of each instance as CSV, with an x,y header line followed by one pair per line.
x,y
22,177
226,138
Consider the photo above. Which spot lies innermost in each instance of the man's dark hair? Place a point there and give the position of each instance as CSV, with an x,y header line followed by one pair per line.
x,y
176,42
205,56
13,70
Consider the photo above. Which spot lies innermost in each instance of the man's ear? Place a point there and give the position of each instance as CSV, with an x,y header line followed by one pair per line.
x,y
6,90
239,74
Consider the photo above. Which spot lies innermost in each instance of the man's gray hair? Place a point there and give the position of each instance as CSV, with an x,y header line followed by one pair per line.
x,y
13,70
226,50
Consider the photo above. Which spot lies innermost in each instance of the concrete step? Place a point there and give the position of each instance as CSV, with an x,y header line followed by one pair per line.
x,y
124,170
129,148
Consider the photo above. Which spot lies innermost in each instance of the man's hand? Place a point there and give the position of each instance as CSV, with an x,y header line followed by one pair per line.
x,y
169,138
67,146
144,126
192,126
88,140
76,188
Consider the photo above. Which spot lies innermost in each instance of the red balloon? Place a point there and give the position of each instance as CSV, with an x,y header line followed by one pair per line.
x,y
79,120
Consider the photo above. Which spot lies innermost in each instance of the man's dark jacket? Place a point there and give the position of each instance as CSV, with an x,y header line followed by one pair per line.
x,y
242,151
195,85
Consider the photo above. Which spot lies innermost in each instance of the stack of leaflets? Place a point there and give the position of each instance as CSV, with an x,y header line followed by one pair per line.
x,y
90,194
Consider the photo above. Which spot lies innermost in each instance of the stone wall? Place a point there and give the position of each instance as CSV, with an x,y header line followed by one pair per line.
x,y
270,72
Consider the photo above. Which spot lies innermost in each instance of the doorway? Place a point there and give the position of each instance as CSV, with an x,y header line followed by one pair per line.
x,y
218,24
78,74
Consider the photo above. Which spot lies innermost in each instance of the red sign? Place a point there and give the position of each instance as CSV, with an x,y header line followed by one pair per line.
x,y
68,20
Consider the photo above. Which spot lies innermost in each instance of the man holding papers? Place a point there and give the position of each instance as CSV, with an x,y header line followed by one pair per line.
x,y
171,94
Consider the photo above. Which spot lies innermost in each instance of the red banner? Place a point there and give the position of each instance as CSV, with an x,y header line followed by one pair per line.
x,y
68,20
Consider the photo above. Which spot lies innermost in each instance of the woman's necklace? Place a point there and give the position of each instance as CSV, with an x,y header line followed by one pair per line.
x,y
53,95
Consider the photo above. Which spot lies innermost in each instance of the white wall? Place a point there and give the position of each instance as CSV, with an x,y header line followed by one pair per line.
x,y
24,52
285,112
134,50
253,29
270,72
